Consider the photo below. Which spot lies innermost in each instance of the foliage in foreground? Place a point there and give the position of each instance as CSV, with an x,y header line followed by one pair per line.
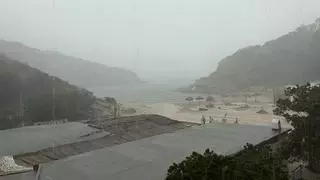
x,y
251,164
301,108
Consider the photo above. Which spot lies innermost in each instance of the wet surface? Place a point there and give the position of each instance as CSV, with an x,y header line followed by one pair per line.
x,y
149,158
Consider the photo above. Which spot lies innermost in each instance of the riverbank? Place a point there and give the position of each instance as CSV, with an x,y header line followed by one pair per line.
x,y
161,99
243,113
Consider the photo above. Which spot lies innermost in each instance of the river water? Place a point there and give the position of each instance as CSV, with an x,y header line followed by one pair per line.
x,y
143,93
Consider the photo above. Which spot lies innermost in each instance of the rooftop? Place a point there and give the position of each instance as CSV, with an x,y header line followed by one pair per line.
x,y
34,138
149,158
137,147
111,132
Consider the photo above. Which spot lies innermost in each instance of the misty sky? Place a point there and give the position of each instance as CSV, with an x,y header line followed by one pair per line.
x,y
152,37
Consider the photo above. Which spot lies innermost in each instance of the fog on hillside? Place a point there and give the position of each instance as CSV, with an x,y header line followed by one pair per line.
x,y
152,38
123,89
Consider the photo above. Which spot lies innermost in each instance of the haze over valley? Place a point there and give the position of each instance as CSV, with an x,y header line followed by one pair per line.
x,y
74,70
154,39
121,89
133,52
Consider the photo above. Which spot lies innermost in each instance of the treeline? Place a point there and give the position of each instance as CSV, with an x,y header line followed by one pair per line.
x,y
28,95
254,163
289,59
300,106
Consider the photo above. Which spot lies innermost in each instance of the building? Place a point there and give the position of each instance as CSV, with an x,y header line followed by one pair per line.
x,y
32,145
149,158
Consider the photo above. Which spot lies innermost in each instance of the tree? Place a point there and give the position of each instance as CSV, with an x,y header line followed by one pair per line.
x,y
110,100
116,106
301,108
251,164
28,90
189,99
210,99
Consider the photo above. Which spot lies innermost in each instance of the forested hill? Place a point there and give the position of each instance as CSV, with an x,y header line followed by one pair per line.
x,y
290,59
76,71
26,96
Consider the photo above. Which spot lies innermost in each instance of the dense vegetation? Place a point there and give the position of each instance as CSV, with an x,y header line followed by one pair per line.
x,y
252,164
302,109
27,96
74,70
291,59
300,106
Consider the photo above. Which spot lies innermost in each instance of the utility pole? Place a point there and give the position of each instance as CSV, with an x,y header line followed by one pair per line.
x,y
274,96
53,104
53,101
115,110
53,146
119,110
21,113
99,115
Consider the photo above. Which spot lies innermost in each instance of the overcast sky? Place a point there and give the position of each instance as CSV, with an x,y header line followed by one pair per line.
x,y
152,37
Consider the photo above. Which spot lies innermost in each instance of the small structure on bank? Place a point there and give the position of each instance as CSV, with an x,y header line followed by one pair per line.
x,y
189,99
209,106
262,111
224,119
203,109
210,119
237,120
276,124
203,120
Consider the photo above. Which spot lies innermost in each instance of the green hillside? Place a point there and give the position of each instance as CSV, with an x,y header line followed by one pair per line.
x,y
291,59
26,96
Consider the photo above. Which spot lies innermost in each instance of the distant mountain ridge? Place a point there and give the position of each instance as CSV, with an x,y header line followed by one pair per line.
x,y
290,59
76,71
